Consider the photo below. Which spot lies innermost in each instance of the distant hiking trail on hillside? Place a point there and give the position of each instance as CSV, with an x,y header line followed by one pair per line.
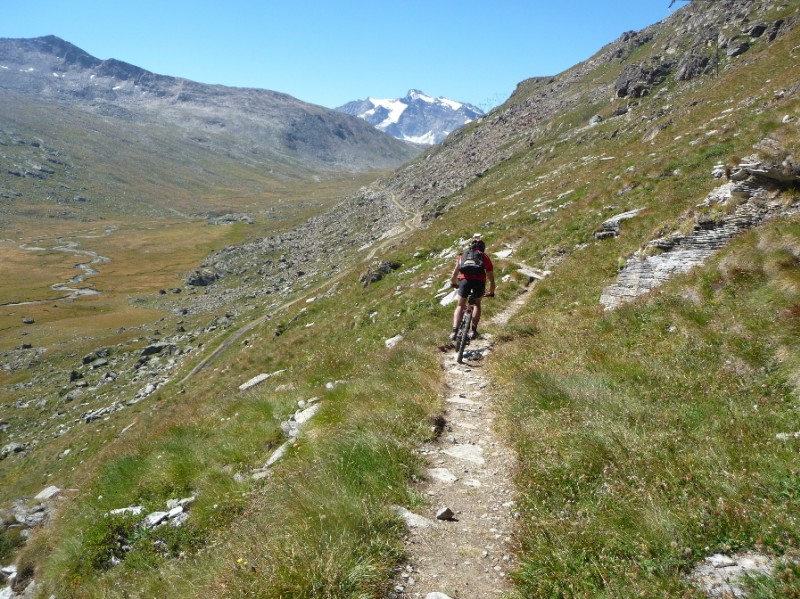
x,y
470,554
409,225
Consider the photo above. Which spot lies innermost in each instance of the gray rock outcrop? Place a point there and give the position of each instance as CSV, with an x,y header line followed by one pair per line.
x,y
755,182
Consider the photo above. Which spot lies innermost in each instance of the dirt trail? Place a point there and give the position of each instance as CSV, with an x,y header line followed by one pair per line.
x,y
470,471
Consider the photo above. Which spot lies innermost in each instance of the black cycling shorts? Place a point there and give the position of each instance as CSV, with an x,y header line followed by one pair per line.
x,y
471,285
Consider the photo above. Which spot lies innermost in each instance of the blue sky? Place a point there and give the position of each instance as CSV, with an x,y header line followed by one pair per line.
x,y
329,53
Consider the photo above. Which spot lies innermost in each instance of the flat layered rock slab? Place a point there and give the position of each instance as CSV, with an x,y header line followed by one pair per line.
x,y
470,453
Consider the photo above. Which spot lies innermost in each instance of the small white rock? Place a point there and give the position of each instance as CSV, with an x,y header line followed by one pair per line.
x,y
390,343
48,493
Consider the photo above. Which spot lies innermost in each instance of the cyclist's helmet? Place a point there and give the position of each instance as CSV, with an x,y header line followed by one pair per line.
x,y
479,244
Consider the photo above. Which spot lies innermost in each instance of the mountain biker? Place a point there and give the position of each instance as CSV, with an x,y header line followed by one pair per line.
x,y
472,282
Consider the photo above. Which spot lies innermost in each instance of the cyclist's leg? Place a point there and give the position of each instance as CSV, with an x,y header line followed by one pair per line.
x,y
462,301
460,305
463,292
480,288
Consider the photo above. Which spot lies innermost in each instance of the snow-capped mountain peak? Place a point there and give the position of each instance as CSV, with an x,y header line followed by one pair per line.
x,y
417,118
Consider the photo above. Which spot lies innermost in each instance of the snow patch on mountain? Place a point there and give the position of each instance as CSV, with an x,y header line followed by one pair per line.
x,y
428,139
395,109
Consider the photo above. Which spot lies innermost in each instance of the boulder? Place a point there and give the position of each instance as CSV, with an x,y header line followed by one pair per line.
x,y
691,67
11,448
95,355
378,270
636,80
202,278
775,29
738,48
157,348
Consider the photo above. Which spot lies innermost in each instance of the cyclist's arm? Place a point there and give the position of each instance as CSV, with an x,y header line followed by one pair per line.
x,y
454,276
490,276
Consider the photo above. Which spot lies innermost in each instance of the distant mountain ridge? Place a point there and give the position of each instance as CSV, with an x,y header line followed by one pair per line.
x,y
416,118
271,126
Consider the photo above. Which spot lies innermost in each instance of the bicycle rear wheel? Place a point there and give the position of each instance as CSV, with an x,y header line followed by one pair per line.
x,y
463,335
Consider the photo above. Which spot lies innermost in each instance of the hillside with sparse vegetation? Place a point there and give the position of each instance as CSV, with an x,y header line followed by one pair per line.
x,y
656,431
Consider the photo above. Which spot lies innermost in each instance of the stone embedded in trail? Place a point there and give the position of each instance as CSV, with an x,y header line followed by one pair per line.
x,y
413,520
721,561
470,453
462,400
437,596
442,475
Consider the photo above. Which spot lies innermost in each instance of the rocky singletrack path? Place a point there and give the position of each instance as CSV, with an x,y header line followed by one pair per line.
x,y
470,554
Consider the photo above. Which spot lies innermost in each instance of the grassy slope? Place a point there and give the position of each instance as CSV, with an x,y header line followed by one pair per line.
x,y
123,167
646,435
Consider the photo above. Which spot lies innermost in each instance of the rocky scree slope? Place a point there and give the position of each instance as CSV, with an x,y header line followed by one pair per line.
x,y
254,124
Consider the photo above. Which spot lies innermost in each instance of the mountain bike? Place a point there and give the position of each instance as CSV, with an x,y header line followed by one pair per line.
x,y
463,334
